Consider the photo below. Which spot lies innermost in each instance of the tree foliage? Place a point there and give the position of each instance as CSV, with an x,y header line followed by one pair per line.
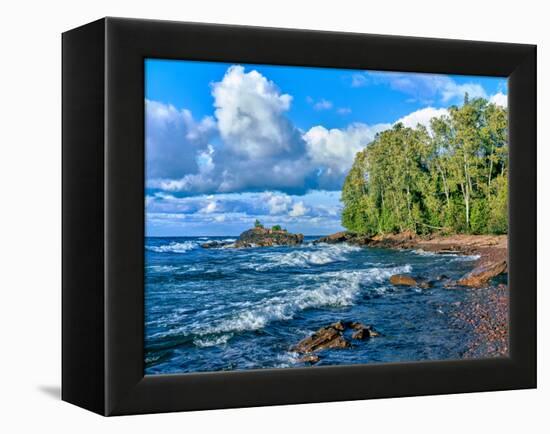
x,y
451,178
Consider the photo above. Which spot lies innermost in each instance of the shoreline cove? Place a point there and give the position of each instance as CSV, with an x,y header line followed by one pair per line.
x,y
212,309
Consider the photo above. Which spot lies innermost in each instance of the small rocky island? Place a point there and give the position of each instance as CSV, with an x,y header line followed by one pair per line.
x,y
260,236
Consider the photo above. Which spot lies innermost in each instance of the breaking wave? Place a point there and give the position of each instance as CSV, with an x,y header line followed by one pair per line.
x,y
173,247
329,289
321,255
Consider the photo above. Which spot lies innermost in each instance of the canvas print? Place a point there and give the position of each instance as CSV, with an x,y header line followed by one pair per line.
x,y
302,217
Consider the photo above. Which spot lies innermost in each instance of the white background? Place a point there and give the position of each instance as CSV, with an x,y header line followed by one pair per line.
x,y
30,215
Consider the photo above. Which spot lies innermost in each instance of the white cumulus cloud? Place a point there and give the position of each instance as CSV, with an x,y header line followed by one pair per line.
x,y
211,206
335,149
251,145
170,134
277,203
422,117
298,210
499,99
250,112
451,90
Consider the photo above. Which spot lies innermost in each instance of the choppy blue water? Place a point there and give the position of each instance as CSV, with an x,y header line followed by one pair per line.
x,y
227,309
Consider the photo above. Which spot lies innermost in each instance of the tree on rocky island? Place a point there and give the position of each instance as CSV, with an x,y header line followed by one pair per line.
x,y
257,224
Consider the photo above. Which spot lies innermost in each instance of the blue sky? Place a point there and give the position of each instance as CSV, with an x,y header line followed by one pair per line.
x,y
228,143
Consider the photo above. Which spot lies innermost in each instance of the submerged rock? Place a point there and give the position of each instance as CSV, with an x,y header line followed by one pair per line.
x,y
310,358
402,280
262,237
339,325
362,331
406,280
481,275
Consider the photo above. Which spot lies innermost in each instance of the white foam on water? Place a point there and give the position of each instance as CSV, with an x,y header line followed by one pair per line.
x,y
192,268
424,253
334,289
321,290
320,255
467,258
173,247
286,360
162,268
213,341
151,359
455,256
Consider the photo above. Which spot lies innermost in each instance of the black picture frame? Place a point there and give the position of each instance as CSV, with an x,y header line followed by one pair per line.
x,y
103,216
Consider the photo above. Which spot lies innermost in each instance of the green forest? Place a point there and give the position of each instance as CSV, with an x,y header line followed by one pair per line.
x,y
450,178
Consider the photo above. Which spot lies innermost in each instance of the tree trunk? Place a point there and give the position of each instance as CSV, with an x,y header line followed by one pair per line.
x,y
445,186
466,196
490,168
409,203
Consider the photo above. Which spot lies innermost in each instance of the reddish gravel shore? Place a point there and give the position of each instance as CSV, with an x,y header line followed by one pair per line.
x,y
485,312
486,315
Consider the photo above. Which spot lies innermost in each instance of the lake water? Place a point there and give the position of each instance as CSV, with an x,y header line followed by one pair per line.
x,y
233,309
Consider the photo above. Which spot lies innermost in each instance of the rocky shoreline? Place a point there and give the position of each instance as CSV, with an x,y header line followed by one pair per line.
x,y
491,249
486,314
486,311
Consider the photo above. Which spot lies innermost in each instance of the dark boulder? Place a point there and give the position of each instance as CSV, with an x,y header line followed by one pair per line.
x,y
332,337
216,244
338,237
362,331
344,237
324,338
361,334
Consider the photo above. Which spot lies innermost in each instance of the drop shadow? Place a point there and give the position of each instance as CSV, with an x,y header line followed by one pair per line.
x,y
52,391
